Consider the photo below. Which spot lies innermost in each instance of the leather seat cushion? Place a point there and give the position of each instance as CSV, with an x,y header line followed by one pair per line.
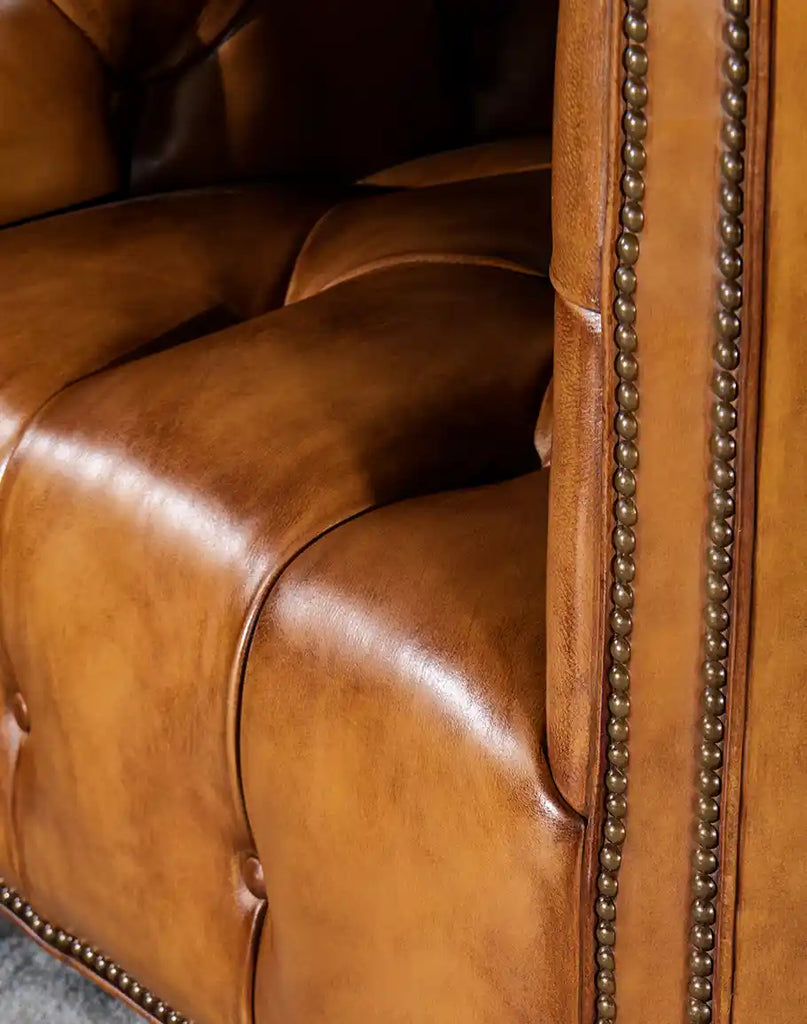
x,y
165,471
393,752
83,290
501,218
147,510
533,153
94,288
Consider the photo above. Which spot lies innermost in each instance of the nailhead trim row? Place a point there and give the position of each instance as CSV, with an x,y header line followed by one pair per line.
x,y
721,507
623,537
89,957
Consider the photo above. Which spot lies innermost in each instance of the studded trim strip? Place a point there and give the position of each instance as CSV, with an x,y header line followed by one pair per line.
x,y
623,538
721,507
88,957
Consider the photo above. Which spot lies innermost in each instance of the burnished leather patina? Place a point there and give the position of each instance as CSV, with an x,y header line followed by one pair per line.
x,y
321,698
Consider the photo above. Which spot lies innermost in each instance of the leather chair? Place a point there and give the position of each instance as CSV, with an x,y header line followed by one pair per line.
x,y
323,698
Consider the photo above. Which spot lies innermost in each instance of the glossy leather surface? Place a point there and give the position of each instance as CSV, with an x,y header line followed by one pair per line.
x,y
382,897
200,388
485,160
576,540
583,160
54,150
667,641
585,97
131,512
132,516
288,615
100,287
677,259
501,221
94,288
676,302
91,288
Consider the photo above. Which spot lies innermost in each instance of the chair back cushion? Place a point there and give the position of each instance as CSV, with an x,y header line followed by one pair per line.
x,y
144,95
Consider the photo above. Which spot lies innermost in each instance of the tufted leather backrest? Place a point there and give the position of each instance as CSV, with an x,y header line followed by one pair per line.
x,y
115,95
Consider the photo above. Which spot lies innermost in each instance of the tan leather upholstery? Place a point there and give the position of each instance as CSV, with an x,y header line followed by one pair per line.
x,y
485,160
54,150
87,290
502,221
320,700
100,286
582,161
576,543
669,542
582,156
125,485
456,702
702,942
184,518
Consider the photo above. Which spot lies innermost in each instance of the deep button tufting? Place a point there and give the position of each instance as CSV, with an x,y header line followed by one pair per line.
x,y
252,873
151,506
19,709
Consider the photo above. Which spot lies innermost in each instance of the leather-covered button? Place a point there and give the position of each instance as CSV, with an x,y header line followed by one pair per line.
x,y
19,709
252,873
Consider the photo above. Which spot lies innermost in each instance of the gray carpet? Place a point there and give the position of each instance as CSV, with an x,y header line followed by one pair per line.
x,y
35,988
